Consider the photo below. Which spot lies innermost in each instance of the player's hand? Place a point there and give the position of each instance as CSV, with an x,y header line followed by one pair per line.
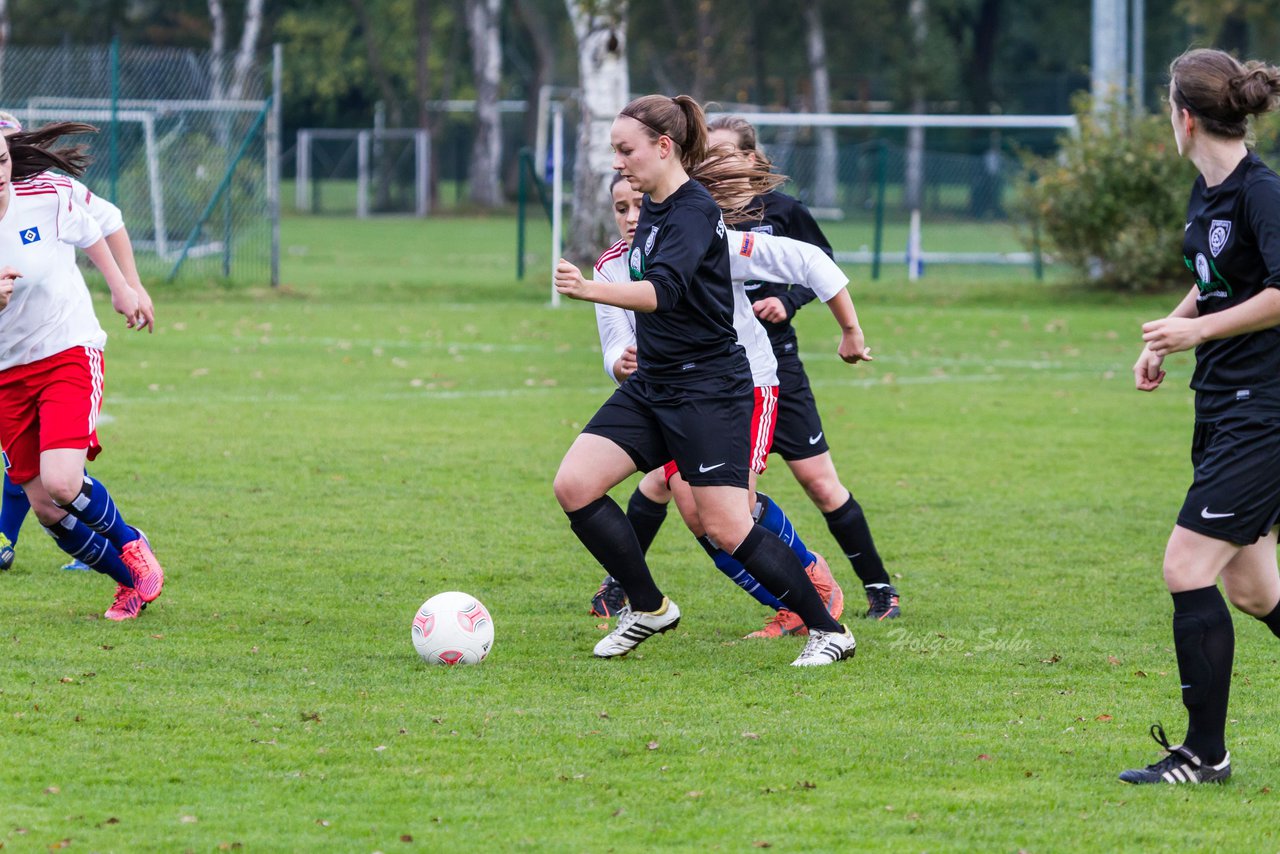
x,y
8,277
125,301
626,364
1147,374
770,309
145,307
1172,335
569,281
853,348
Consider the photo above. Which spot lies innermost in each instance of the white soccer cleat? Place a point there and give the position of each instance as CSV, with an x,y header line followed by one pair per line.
x,y
826,648
635,627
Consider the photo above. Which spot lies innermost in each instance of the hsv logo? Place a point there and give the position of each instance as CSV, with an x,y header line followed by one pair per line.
x,y
29,235
423,624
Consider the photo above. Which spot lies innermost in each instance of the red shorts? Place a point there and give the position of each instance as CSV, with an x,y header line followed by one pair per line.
x,y
764,418
51,403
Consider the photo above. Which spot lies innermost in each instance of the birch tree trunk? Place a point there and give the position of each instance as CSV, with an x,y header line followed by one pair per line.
x,y
913,191
601,30
825,185
486,57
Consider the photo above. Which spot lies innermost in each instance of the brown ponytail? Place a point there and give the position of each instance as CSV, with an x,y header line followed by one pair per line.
x,y
1222,92
31,154
734,181
680,119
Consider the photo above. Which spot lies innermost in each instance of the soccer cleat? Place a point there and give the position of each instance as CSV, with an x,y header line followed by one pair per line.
x,y
609,600
6,553
826,648
784,622
825,583
79,565
635,627
148,577
126,606
1180,766
882,602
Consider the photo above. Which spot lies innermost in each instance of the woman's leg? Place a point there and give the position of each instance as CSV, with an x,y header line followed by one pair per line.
x,y
1252,581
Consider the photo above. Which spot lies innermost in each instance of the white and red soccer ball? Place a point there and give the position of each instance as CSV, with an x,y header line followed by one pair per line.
x,y
452,628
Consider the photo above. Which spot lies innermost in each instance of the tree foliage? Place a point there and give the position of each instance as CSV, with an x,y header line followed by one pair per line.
x,y
1111,202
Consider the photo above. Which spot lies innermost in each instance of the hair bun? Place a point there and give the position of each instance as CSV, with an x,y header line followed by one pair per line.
x,y
1256,90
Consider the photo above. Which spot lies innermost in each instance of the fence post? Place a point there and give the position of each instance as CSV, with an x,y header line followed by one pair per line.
x,y
520,169
113,156
882,169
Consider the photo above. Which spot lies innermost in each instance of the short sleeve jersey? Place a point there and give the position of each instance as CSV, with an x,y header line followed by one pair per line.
x,y
680,248
785,216
1231,244
50,310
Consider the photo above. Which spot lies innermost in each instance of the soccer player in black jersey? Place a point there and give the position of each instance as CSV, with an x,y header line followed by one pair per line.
x,y
691,397
1227,525
799,438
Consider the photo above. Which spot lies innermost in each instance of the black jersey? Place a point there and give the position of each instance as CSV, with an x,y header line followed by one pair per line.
x,y
680,248
785,216
1232,245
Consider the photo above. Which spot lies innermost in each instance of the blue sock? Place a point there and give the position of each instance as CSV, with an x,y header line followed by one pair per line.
x,y
14,510
773,520
738,574
94,507
84,544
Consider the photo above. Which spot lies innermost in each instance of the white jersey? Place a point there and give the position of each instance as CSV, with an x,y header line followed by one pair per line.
x,y
752,256
50,310
105,214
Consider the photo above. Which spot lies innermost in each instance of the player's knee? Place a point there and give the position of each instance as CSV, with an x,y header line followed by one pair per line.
x,y
63,487
726,530
1251,602
828,493
46,512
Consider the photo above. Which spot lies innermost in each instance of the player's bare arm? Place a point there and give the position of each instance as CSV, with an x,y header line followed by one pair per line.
x,y
8,277
569,281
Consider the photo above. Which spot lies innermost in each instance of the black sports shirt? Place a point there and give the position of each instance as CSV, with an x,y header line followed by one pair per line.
x,y
783,215
1232,246
680,248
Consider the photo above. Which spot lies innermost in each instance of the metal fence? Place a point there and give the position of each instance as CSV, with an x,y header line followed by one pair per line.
x,y
194,173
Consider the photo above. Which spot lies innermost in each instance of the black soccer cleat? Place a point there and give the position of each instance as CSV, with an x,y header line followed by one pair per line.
x,y
609,599
1180,766
882,602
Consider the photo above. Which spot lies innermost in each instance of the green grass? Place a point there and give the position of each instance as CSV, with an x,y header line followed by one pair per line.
x,y
313,464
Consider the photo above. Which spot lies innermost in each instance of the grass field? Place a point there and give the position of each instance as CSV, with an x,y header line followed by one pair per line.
x,y
313,464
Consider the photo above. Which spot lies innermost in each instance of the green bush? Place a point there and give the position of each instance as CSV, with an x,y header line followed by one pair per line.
x,y
1111,202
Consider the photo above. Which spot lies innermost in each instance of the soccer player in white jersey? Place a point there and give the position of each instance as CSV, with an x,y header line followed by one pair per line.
x,y
15,506
752,256
51,364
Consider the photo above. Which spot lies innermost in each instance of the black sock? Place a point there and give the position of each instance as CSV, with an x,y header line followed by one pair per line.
x,y
646,516
849,526
774,565
1272,621
1205,644
603,528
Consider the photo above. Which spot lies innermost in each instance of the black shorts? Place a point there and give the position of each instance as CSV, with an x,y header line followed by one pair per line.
x,y
706,430
1236,492
798,435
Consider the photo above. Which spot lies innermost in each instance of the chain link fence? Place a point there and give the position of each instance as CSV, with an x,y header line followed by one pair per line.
x,y
188,166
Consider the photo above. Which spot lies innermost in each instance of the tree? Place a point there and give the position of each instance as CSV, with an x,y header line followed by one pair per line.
x,y
601,30
825,179
913,190
486,60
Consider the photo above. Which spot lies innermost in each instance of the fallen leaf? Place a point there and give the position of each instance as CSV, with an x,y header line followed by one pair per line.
x,y
693,794
52,790
760,843
1141,674
1103,718
404,837
653,745
983,757
380,748
323,822
1053,659
749,735
805,784
1112,660
188,819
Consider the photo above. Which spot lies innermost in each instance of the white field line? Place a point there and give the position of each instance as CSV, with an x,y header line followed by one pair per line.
x,y
205,400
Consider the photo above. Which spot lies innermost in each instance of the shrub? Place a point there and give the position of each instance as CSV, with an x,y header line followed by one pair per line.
x,y
1111,202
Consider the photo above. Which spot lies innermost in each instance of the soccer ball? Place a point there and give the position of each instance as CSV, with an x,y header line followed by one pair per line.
x,y
452,628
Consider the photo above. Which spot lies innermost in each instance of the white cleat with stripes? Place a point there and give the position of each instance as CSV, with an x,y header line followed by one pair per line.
x,y
635,627
826,648
1180,766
